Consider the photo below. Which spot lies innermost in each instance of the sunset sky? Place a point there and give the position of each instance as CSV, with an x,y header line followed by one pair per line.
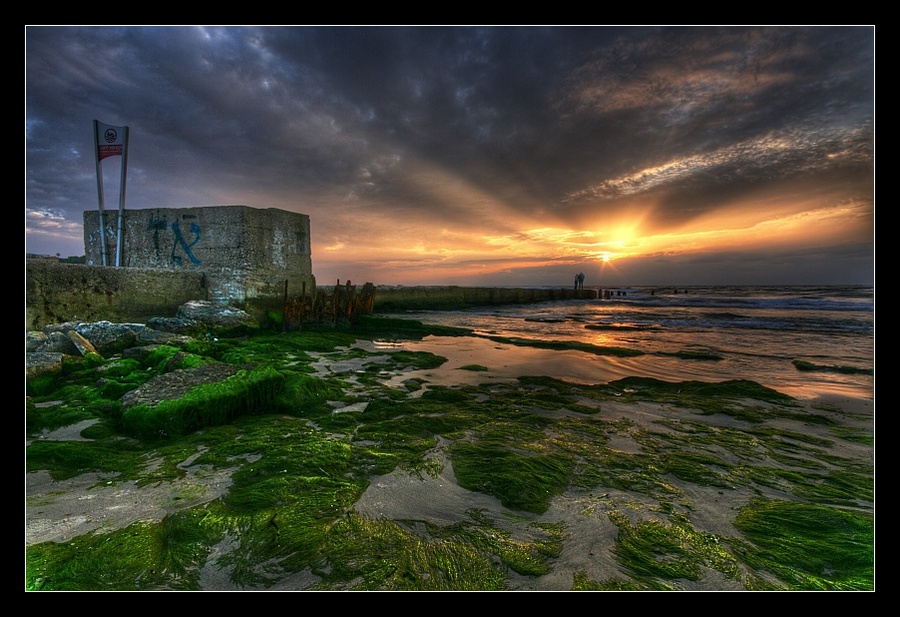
x,y
498,155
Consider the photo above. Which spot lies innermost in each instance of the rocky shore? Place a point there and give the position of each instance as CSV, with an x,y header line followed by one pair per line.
x,y
46,349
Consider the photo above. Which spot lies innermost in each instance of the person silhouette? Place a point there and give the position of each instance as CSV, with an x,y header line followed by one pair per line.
x,y
580,281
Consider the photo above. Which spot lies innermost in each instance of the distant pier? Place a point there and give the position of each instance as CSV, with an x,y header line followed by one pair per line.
x,y
449,297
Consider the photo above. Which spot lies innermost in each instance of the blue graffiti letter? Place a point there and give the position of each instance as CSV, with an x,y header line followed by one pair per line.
x,y
195,229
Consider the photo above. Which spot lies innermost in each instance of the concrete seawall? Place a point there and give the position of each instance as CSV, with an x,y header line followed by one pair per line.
x,y
56,293
389,298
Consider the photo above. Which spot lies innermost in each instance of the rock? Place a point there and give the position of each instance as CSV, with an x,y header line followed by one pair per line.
x,y
84,346
177,325
56,342
39,363
141,353
63,327
173,385
45,351
34,341
110,338
149,336
220,320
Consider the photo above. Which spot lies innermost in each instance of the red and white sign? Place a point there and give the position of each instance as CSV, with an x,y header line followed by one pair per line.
x,y
110,140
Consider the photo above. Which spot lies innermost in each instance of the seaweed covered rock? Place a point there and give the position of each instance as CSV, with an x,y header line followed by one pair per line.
x,y
45,350
173,385
186,400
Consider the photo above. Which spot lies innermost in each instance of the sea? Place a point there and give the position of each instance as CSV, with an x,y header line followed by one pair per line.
x,y
716,333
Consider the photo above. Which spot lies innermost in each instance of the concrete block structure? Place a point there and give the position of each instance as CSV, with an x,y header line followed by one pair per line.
x,y
252,258
57,292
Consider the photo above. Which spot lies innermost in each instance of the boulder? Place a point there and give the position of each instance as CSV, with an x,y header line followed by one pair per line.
x,y
110,338
39,363
83,345
45,351
56,342
175,384
220,320
177,325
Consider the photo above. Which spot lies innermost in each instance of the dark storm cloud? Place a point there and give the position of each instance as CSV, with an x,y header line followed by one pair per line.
x,y
447,125
710,113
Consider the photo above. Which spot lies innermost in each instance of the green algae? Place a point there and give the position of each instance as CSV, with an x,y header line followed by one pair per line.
x,y
247,391
656,550
598,350
803,365
382,555
401,359
581,582
143,556
66,459
865,436
297,467
166,358
521,482
411,555
808,546
474,367
695,393
693,355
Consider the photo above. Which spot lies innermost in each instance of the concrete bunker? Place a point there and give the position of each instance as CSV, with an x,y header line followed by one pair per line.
x,y
251,258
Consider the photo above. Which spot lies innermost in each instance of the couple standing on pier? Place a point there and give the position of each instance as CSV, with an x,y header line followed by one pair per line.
x,y
579,280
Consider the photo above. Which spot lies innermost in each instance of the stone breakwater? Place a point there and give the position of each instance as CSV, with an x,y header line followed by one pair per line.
x,y
444,297
59,293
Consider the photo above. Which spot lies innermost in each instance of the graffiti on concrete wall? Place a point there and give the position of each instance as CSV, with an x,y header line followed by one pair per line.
x,y
181,247
156,225
181,242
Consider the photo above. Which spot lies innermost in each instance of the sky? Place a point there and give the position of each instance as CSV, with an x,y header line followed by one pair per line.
x,y
490,155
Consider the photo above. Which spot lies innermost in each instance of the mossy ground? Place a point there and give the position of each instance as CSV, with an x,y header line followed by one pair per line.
x,y
303,449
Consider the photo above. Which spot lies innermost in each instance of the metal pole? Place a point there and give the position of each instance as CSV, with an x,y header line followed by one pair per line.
x,y
100,194
122,201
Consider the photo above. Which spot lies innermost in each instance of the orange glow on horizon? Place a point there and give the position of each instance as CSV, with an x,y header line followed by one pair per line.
x,y
451,252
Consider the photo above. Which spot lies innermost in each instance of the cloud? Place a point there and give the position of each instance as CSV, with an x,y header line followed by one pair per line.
x,y
447,148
